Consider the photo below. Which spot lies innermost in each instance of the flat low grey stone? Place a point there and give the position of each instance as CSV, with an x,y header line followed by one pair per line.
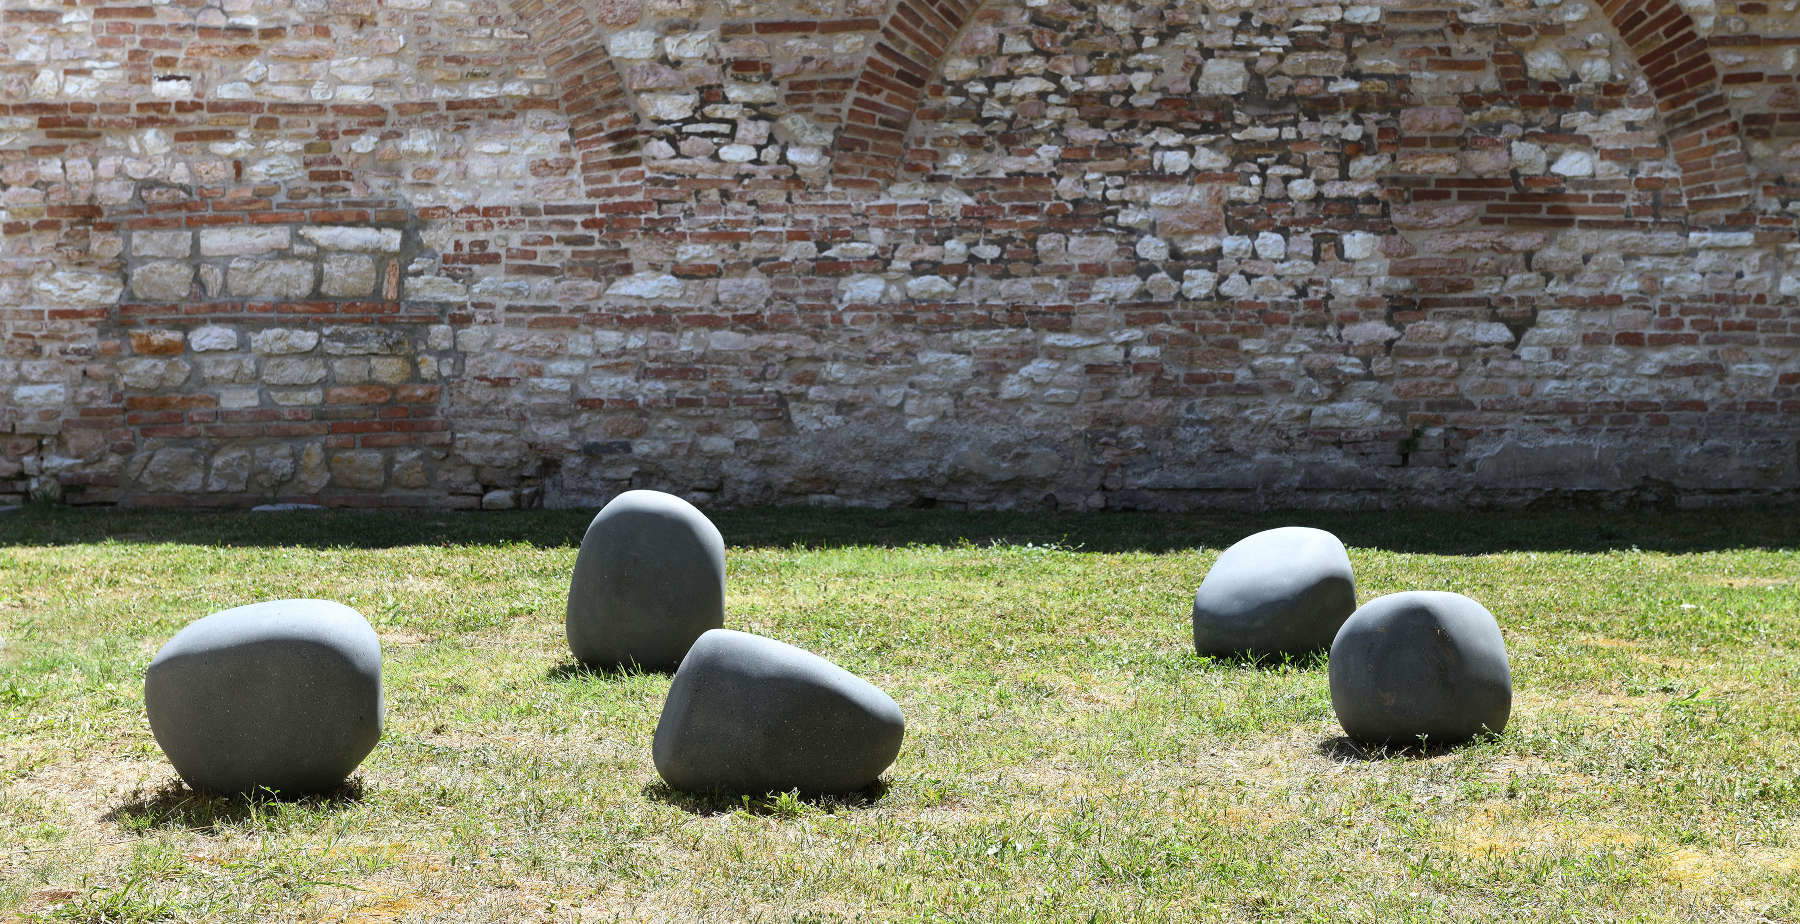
x,y
283,695
747,714
1421,664
1280,591
649,579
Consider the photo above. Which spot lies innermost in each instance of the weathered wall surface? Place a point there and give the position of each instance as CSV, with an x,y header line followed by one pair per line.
x,y
1023,252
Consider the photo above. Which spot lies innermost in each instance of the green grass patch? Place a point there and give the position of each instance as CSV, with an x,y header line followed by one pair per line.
x,y
1067,757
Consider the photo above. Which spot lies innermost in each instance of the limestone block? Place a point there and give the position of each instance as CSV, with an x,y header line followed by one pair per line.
x,y
930,287
273,466
173,471
348,276
150,374
312,474
78,289
1280,591
747,714
410,471
162,243
649,579
293,371
212,339
219,370
244,241
341,237
390,370
162,281
1222,77
646,286
668,107
50,395
279,340
364,341
284,696
230,469
239,398
360,469
271,279
1420,665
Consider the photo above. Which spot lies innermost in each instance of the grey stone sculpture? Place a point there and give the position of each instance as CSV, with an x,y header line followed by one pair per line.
x,y
1423,664
1280,591
649,579
283,696
747,714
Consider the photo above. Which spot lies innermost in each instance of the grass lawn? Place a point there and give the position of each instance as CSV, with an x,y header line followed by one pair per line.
x,y
1067,755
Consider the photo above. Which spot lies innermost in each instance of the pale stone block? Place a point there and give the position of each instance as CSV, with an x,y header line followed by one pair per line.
x,y
270,279
357,238
289,371
162,281
212,338
297,397
239,397
244,241
360,469
348,276
646,286
162,243
152,374
278,340
1222,77
390,370
173,471
78,289
40,396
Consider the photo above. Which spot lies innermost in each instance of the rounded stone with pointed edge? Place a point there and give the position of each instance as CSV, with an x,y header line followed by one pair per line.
x,y
649,579
1423,665
750,715
1280,591
283,696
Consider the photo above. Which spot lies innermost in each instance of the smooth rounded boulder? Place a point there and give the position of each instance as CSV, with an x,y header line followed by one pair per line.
x,y
1422,666
649,579
1280,591
282,696
750,715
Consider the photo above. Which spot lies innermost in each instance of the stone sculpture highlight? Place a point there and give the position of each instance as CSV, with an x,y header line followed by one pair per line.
x,y
284,696
650,577
1280,591
747,714
1419,665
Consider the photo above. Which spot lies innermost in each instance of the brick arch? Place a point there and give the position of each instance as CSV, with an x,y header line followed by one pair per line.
x,y
1702,132
879,112
603,123
1704,136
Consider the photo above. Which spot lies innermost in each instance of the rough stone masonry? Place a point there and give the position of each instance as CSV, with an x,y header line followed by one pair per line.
x,y
461,253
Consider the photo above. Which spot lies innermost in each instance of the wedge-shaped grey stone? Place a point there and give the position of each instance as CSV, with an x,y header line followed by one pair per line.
x,y
649,579
747,714
283,695
1280,591
1424,664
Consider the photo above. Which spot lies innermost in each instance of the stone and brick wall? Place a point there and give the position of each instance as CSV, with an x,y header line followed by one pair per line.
x,y
1023,252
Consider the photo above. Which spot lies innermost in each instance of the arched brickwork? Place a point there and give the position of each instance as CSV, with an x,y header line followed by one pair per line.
x,y
1702,132
603,126
912,45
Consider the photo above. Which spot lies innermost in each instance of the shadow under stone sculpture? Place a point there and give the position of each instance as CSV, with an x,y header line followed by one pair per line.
x,y
649,579
1423,664
747,714
1280,591
283,695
